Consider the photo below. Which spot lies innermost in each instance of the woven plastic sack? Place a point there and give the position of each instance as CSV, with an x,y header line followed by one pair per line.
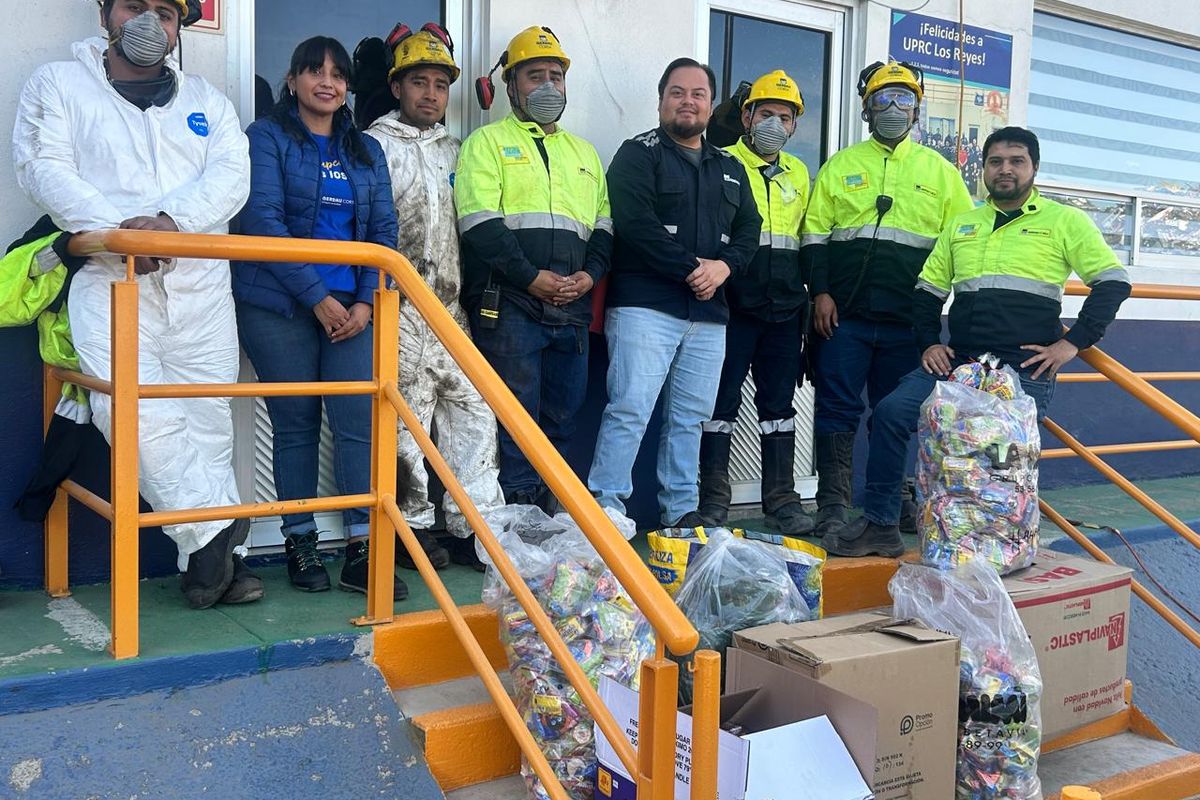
x,y
1000,685
731,585
977,470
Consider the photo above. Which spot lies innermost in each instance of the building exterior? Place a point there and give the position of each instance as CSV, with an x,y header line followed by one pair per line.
x,y
1110,86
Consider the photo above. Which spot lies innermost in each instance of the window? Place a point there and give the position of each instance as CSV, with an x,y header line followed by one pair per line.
x,y
743,48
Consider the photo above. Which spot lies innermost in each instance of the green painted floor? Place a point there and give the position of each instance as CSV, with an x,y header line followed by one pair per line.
x,y
54,635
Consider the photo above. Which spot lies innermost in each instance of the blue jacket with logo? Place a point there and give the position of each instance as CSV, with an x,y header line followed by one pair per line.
x,y
285,191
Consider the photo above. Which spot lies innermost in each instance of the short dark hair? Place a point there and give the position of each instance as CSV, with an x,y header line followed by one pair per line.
x,y
680,63
1014,135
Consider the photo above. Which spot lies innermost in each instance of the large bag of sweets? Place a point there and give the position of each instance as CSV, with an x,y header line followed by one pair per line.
x,y
1000,685
977,470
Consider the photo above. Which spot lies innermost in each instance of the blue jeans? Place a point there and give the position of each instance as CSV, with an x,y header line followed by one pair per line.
x,y
649,353
874,355
896,419
292,349
545,366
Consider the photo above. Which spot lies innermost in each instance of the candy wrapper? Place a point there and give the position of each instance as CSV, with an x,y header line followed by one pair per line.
x,y
977,476
734,584
1000,686
602,628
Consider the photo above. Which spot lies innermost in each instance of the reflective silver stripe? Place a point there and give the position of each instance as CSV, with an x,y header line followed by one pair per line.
x,y
936,291
885,235
724,238
1118,274
540,220
716,426
672,229
777,426
781,241
1012,282
478,218
814,238
604,224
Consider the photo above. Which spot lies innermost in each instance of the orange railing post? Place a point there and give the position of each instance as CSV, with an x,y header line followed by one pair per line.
x,y
56,528
656,729
706,722
124,466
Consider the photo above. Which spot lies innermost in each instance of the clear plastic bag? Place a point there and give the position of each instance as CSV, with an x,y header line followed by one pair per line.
x,y
1000,685
731,585
977,470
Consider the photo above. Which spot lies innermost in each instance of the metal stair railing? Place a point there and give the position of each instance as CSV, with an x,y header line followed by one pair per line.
x,y
653,763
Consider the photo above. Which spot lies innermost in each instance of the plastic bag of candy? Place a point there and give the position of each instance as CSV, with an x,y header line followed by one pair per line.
x,y
977,474
734,584
603,630
1000,686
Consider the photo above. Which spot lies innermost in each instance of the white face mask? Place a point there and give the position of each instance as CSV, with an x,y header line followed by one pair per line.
x,y
768,136
545,104
141,40
891,123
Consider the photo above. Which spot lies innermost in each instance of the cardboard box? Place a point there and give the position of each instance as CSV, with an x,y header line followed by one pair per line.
x,y
906,671
790,746
1076,611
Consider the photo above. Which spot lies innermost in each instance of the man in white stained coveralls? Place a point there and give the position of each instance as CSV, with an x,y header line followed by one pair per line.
x,y
421,157
119,138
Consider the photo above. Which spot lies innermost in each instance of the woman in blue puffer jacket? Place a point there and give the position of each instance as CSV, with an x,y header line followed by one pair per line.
x,y
314,175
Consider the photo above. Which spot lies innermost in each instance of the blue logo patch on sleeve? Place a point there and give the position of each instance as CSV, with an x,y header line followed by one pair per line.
x,y
452,174
198,123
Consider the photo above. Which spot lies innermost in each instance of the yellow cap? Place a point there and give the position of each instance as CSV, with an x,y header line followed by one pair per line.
x,y
1079,793
531,43
423,49
892,74
778,87
189,11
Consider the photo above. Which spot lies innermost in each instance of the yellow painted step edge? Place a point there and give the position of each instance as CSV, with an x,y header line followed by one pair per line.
x,y
1174,779
420,648
467,745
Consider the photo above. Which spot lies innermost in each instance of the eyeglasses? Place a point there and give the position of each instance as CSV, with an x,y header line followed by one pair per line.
x,y
904,99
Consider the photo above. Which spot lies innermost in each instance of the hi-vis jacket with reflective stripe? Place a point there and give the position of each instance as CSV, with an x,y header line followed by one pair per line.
x,y
1008,281
528,201
926,191
772,287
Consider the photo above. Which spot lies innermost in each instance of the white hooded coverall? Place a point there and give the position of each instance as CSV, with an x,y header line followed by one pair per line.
x,y
91,159
421,165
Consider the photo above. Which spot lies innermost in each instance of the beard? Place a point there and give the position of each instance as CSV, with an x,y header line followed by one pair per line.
x,y
1017,191
685,131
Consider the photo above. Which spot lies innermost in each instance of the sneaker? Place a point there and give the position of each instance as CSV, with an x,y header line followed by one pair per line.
x,y
462,552
210,569
246,587
438,555
356,568
864,538
791,520
692,519
305,570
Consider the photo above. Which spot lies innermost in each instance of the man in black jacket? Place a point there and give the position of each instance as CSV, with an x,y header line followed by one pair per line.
x,y
685,220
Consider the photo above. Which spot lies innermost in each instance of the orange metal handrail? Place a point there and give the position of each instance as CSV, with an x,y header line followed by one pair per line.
x,y
1145,291
1123,449
1150,377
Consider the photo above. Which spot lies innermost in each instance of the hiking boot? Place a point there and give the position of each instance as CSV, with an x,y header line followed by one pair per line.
x,y
246,587
791,520
356,568
210,569
833,456
305,570
692,519
462,552
864,538
438,555
715,492
908,508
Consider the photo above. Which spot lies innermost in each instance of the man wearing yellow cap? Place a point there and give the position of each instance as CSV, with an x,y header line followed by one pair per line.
x,y
876,210
536,234
117,138
421,157
767,309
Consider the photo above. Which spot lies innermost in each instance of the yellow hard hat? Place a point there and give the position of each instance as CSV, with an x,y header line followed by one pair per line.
x,y
423,49
893,73
189,11
777,87
533,42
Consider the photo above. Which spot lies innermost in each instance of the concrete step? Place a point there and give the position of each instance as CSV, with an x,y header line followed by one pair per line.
x,y
510,788
1126,766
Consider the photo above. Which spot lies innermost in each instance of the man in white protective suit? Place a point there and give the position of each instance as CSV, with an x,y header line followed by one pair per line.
x,y
117,137
421,157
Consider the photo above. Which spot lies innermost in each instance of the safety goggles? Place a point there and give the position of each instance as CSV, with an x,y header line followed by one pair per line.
x,y
402,32
904,99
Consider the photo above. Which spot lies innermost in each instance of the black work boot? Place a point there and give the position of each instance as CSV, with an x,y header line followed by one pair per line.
x,y
780,502
864,538
715,494
462,552
835,469
210,569
246,587
692,519
356,569
908,507
438,555
305,569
